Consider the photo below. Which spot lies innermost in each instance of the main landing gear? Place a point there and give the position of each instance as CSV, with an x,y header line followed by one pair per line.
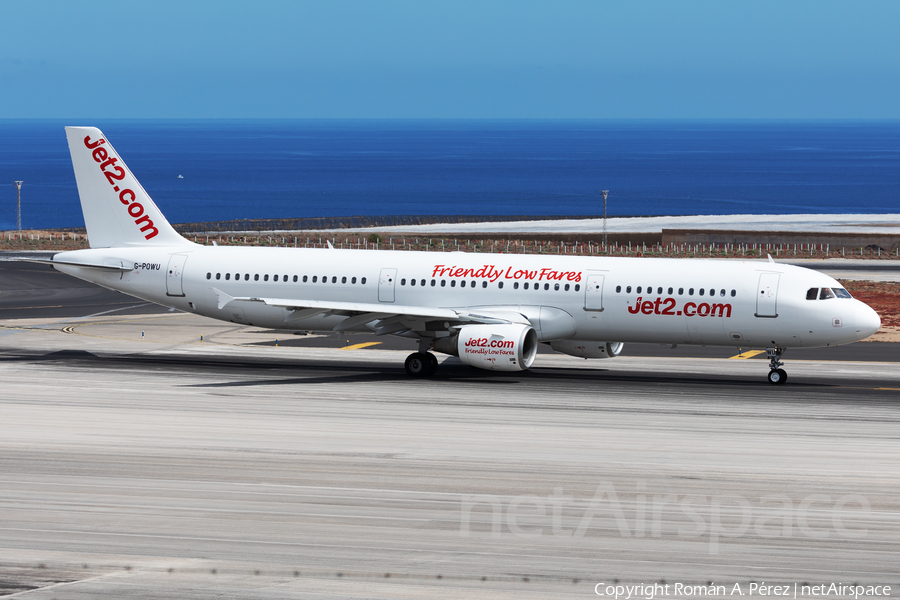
x,y
777,375
421,364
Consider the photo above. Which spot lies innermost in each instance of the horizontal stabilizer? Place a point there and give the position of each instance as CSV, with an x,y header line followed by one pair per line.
x,y
223,298
70,263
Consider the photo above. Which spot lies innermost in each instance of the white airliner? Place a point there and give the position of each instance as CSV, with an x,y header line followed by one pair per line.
x,y
490,310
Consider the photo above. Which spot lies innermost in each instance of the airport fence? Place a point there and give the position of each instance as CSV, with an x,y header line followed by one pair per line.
x,y
531,244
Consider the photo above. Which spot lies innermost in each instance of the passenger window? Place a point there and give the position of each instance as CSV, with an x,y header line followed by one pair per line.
x,y
515,285
555,287
681,291
433,282
315,279
246,276
334,279
670,291
577,287
722,292
343,280
628,290
639,288
567,287
659,290
826,294
422,283
812,293
284,279
227,276
618,289
452,283
443,282
546,286
525,286
841,293
484,284
500,285
218,276
353,280
471,284
266,277
237,276
403,281
702,291
209,275
733,293
256,277
363,281
274,277
712,292
412,282
691,292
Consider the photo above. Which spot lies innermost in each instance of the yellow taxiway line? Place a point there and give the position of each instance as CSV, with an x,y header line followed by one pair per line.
x,y
358,346
748,354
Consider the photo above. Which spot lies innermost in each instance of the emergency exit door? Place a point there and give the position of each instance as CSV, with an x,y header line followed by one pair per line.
x,y
593,292
386,284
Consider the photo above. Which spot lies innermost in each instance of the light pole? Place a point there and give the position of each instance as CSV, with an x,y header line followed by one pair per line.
x,y
19,205
605,194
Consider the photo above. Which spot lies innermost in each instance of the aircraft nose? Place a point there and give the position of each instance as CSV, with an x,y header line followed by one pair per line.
x,y
867,321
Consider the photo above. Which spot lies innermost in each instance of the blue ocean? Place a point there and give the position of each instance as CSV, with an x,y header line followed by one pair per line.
x,y
214,170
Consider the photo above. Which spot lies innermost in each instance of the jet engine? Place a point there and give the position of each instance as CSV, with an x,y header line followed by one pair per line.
x,y
493,347
583,349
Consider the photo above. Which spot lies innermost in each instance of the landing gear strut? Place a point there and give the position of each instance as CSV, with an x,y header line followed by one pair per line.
x,y
777,375
421,364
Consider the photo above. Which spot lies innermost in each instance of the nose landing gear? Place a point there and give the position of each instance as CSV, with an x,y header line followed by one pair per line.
x,y
777,375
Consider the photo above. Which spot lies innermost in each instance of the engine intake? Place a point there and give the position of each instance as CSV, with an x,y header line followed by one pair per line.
x,y
493,347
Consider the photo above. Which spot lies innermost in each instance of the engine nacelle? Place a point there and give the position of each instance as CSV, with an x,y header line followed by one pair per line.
x,y
493,347
583,349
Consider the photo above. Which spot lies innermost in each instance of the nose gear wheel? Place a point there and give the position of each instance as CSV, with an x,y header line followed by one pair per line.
x,y
777,375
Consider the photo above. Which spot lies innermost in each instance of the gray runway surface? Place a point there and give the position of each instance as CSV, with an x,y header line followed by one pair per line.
x,y
153,466
192,473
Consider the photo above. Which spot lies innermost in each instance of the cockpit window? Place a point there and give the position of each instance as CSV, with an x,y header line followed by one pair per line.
x,y
841,293
825,294
812,293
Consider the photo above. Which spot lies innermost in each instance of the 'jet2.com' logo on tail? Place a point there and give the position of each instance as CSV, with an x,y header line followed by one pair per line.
x,y
115,175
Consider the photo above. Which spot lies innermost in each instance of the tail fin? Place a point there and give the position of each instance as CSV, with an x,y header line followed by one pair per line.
x,y
117,210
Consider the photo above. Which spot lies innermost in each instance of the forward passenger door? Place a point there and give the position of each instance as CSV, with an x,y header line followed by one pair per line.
x,y
767,295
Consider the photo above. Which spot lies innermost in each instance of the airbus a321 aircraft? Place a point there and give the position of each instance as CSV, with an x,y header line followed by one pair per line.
x,y
490,310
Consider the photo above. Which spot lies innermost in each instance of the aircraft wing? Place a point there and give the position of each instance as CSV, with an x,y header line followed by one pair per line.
x,y
391,318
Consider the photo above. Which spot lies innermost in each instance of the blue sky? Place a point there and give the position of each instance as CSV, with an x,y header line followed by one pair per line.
x,y
639,59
